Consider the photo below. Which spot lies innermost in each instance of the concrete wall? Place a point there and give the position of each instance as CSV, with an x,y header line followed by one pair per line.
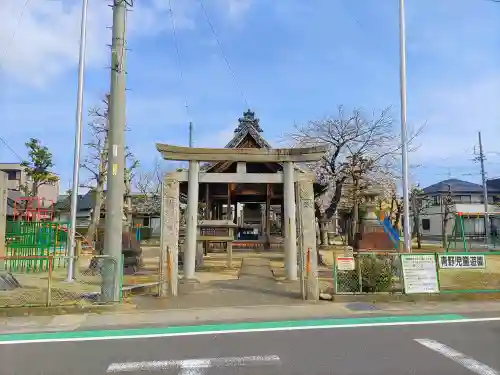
x,y
3,210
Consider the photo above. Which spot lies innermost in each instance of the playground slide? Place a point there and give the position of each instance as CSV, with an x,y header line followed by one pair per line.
x,y
391,232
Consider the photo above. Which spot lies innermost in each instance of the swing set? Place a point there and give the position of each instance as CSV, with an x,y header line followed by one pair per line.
x,y
471,226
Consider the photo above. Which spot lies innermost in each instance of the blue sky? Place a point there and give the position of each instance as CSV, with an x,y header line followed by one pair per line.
x,y
293,60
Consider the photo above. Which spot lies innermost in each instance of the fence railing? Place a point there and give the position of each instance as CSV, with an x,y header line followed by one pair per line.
x,y
48,286
455,272
371,273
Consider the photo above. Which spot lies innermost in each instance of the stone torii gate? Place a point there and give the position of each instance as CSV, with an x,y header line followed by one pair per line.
x,y
293,181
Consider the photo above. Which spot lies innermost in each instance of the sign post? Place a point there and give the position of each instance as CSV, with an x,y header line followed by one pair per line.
x,y
420,273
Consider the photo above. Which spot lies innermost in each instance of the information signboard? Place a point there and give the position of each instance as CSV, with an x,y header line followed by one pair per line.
x,y
346,264
420,273
468,261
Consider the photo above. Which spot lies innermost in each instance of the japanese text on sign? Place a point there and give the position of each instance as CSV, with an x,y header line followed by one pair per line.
x,y
419,273
462,261
346,264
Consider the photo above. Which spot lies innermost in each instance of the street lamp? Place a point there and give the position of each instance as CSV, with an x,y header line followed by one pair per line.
x,y
404,141
78,139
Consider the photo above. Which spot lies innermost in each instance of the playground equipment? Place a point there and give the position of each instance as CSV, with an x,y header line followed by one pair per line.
x,y
32,233
390,230
33,209
35,239
138,232
471,226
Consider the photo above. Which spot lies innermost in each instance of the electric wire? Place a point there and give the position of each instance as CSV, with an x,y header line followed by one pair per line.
x,y
10,148
219,43
14,32
178,58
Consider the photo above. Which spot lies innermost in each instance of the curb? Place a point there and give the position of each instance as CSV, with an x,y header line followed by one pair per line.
x,y
7,312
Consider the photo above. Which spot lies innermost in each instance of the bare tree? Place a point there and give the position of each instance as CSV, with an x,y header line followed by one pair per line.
x,y
96,163
369,145
148,182
448,208
419,204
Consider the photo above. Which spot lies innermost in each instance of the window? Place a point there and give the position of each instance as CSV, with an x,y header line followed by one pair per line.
x,y
12,175
463,199
145,222
435,200
426,224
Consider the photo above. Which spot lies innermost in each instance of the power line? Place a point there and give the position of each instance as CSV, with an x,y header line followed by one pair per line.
x,y
210,24
11,149
179,60
14,32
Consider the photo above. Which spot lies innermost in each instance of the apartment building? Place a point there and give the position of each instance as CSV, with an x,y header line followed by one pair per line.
x,y
17,178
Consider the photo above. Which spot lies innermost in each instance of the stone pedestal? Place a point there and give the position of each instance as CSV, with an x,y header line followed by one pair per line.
x,y
371,235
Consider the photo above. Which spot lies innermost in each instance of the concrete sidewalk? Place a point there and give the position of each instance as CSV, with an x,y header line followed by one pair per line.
x,y
173,317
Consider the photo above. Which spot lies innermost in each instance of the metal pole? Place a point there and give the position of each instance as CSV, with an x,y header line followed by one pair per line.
x,y
116,160
404,142
485,192
190,134
78,139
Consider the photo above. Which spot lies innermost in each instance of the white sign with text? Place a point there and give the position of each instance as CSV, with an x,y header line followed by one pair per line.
x,y
462,261
420,273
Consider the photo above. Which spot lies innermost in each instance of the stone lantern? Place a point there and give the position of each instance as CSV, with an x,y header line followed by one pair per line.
x,y
370,221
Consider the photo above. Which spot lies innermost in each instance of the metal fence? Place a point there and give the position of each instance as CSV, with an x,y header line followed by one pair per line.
x,y
456,272
49,287
372,273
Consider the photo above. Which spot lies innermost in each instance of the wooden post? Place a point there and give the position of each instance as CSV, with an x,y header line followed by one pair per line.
x,y
76,263
230,250
269,192
49,281
207,214
229,212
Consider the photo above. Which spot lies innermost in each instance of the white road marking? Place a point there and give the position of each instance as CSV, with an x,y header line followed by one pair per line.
x,y
194,366
464,360
249,330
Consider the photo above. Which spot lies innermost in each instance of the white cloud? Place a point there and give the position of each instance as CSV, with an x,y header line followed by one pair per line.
x,y
47,38
236,8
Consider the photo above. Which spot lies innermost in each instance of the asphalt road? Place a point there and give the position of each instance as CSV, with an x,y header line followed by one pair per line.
x,y
444,349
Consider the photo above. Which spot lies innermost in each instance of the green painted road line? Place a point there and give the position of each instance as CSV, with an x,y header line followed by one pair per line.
x,y
228,328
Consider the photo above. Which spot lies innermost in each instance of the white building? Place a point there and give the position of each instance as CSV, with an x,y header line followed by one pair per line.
x,y
467,199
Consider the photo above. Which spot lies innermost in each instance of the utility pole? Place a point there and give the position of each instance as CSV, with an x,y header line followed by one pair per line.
x,y
190,134
78,141
116,157
485,192
404,141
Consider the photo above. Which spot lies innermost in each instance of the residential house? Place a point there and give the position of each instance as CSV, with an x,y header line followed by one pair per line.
x,y
467,199
17,180
145,212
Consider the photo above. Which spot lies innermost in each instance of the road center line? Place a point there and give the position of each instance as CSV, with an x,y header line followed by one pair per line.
x,y
194,366
460,358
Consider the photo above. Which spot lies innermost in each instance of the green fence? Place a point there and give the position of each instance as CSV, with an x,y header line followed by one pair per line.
x,y
35,239
455,272
483,279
